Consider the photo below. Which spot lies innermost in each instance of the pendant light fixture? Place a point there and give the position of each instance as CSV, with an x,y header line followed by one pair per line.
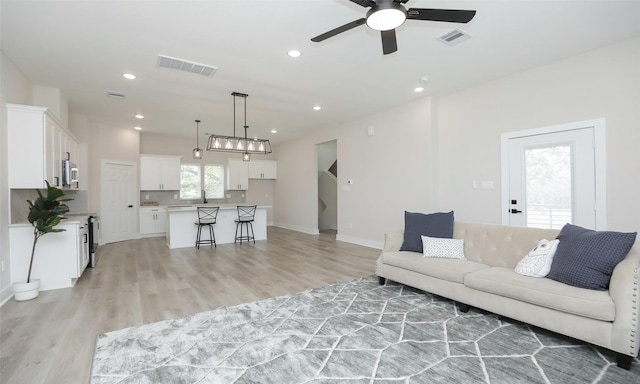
x,y
234,143
197,152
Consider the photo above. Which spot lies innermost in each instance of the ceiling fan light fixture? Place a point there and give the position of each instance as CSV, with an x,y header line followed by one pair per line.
x,y
385,16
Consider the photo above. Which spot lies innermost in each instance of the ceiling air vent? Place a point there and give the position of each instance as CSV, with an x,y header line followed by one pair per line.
x,y
454,37
185,66
116,95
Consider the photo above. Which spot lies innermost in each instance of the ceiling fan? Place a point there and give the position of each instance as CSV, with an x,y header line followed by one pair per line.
x,y
386,15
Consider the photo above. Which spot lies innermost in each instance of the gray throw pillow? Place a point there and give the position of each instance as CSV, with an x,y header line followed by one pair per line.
x,y
586,258
439,224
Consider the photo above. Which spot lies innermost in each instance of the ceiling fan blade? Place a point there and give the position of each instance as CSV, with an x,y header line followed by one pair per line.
x,y
364,3
448,15
389,43
338,30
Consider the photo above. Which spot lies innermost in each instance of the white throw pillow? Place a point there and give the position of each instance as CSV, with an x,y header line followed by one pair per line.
x,y
537,263
437,247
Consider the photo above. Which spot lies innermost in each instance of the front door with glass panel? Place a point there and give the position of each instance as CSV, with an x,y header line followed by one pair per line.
x,y
552,179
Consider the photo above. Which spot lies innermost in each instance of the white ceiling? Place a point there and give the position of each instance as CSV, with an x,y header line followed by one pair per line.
x,y
83,47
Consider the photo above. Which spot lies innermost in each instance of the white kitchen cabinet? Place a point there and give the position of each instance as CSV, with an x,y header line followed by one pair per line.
x,y
153,221
60,257
37,144
237,175
263,169
158,173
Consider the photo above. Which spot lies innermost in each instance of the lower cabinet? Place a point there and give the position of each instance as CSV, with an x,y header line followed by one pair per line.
x,y
153,221
60,257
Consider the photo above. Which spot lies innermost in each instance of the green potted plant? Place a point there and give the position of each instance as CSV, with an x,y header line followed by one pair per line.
x,y
45,214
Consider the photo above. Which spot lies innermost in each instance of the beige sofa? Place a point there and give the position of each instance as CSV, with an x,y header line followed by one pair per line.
x,y
487,280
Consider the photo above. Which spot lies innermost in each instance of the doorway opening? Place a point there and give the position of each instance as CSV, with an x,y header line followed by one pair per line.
x,y
327,161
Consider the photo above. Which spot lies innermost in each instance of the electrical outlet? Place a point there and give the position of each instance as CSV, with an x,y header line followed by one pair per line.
x,y
242,195
175,196
146,197
228,195
3,266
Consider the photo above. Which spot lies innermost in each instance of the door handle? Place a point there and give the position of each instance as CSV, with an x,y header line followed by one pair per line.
x,y
516,211
129,206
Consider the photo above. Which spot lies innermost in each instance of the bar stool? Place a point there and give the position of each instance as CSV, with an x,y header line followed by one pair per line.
x,y
206,217
246,214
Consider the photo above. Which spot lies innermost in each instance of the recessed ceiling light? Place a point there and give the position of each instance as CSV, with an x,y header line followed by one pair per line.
x,y
128,76
293,53
317,108
418,89
138,128
139,116
274,131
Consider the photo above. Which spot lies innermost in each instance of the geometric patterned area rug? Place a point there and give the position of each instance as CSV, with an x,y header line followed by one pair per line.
x,y
355,332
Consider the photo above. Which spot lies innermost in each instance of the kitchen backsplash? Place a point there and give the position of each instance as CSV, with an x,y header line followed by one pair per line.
x,y
20,207
167,198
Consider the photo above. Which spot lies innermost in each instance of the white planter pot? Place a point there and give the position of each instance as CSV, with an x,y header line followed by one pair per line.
x,y
26,291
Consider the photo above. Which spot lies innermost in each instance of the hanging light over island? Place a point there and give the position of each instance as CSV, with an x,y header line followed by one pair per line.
x,y
244,145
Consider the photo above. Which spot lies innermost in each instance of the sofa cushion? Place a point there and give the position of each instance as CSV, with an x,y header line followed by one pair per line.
x,y
447,248
544,292
438,224
537,263
447,269
499,245
586,258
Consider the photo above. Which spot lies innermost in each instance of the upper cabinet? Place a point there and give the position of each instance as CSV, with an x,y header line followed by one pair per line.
x,y
37,144
159,173
263,169
237,175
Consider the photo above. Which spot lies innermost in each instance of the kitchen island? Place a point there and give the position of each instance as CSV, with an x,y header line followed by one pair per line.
x,y
181,227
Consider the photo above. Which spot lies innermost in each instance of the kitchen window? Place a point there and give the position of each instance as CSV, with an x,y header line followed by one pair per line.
x,y
194,176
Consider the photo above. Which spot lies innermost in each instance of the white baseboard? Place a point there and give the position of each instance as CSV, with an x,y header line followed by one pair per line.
x,y
310,231
6,294
360,241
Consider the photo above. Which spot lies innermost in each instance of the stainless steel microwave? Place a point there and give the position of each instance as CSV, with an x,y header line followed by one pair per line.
x,y
69,173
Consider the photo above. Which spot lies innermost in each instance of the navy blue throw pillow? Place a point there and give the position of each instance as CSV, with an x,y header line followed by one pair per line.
x,y
438,224
586,258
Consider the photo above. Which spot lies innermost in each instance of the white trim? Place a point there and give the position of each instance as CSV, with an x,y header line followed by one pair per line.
x,y
6,294
360,241
309,231
599,128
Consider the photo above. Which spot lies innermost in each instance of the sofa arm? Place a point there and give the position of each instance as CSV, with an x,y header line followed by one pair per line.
x,y
624,289
393,241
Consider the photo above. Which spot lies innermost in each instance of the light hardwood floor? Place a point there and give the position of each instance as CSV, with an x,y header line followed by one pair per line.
x,y
51,339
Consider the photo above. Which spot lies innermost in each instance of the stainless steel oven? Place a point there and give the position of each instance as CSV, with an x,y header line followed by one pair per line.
x,y
94,226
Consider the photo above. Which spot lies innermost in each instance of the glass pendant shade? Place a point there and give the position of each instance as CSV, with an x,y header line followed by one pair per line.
x,y
246,156
197,152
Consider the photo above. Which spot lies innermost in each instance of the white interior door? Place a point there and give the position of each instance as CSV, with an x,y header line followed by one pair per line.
x,y
119,203
552,179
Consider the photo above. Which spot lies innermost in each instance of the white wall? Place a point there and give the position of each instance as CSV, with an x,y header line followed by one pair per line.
x,y
425,155
109,143
392,171
54,100
601,83
14,88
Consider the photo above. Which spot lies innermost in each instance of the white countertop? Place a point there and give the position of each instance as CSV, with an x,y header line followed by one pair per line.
x,y
193,207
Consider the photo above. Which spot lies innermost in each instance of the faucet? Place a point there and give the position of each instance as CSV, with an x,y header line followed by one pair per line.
x,y
204,195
